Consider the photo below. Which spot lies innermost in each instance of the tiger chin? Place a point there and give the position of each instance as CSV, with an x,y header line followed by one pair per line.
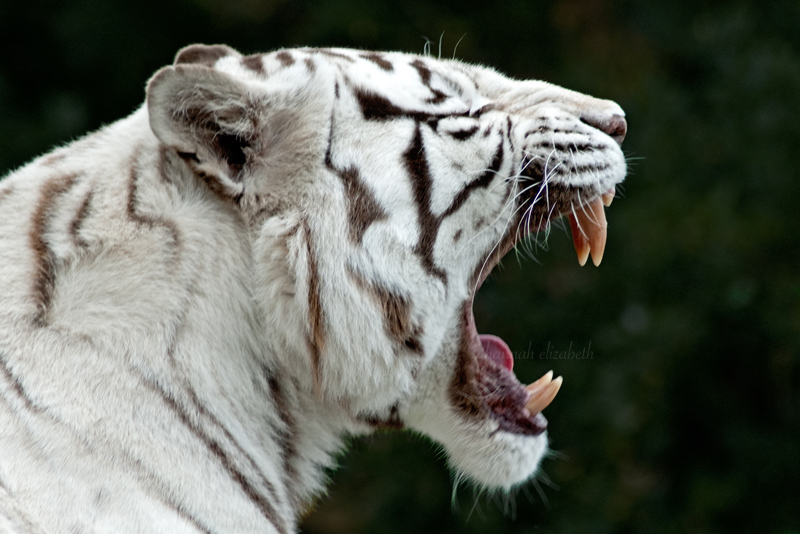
x,y
200,302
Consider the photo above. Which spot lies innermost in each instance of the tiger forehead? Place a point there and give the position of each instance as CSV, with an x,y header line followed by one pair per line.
x,y
444,74
404,76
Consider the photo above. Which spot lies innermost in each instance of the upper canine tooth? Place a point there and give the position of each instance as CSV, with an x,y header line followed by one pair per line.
x,y
590,229
599,232
579,238
608,197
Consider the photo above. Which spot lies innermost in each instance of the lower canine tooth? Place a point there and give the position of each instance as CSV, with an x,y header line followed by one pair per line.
x,y
542,399
534,387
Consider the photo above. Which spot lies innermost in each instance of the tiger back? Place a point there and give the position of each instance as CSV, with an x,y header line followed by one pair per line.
x,y
201,302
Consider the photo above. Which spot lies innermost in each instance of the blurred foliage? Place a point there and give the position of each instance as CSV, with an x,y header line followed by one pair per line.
x,y
685,414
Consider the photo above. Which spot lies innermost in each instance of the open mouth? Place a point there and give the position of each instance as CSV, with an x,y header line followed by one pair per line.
x,y
486,381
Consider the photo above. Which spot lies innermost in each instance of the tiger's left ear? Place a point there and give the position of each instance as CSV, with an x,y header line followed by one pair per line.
x,y
209,118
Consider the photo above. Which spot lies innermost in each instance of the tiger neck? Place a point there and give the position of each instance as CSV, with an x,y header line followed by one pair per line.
x,y
191,329
254,396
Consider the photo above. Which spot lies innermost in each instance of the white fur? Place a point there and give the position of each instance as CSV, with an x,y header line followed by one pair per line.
x,y
137,394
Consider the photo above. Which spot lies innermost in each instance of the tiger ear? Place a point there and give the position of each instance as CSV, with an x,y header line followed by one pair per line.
x,y
209,118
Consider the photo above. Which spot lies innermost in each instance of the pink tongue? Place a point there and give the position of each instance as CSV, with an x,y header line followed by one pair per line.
x,y
497,350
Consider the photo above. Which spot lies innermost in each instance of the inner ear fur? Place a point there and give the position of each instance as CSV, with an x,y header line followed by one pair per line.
x,y
209,118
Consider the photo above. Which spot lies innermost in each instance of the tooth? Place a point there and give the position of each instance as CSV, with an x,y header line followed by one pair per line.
x,y
579,239
539,391
542,399
598,232
589,231
608,196
536,386
587,228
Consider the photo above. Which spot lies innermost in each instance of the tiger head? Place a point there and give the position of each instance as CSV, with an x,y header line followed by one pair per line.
x,y
379,191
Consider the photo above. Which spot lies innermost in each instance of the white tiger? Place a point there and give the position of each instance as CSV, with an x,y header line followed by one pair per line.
x,y
200,302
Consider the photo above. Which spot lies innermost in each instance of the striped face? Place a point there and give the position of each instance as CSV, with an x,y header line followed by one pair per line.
x,y
379,191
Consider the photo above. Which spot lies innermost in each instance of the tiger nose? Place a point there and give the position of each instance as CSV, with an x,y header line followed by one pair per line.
x,y
615,126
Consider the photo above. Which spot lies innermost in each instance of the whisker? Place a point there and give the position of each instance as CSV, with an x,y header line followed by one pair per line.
x,y
588,213
456,46
577,221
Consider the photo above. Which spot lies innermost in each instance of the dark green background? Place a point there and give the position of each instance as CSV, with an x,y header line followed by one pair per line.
x,y
686,418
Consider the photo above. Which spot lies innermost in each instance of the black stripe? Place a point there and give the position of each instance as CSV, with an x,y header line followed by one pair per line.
x,y
425,75
147,220
44,279
362,207
396,311
392,422
202,411
480,183
463,135
417,166
287,437
250,460
508,133
329,147
77,222
285,58
264,506
54,158
316,322
206,55
379,60
330,53
163,495
19,389
375,107
563,170
423,70
254,63
6,192
437,98
550,145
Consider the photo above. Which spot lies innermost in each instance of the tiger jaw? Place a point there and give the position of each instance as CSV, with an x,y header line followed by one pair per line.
x,y
488,369
496,432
